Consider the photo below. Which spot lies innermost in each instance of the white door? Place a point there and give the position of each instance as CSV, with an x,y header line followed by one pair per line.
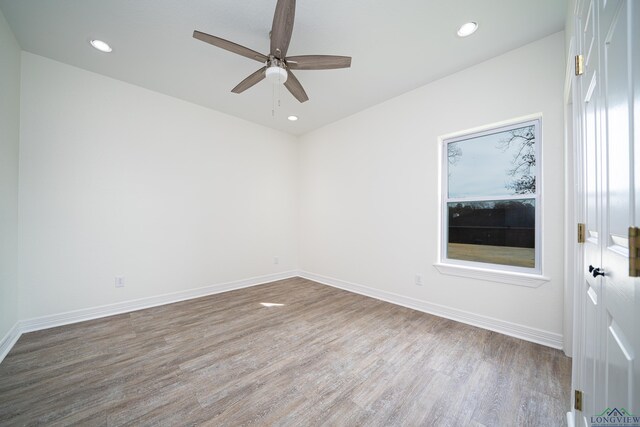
x,y
617,18
607,318
589,291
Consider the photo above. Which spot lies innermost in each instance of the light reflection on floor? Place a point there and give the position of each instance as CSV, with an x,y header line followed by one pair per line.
x,y
271,304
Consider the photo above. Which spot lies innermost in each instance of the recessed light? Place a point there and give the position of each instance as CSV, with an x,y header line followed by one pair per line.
x,y
467,29
293,118
101,46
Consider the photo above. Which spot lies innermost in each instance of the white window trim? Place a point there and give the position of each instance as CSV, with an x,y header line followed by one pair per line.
x,y
501,276
531,277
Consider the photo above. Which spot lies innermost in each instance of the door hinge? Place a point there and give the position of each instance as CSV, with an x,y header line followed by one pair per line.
x,y
634,251
581,232
579,65
577,401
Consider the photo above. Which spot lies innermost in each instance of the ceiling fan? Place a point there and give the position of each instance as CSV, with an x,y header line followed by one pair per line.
x,y
278,65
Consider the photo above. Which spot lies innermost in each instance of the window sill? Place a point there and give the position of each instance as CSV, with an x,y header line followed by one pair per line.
x,y
512,278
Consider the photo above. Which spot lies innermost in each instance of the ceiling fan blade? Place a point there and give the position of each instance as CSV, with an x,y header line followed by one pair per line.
x,y
230,46
282,27
318,62
295,88
250,81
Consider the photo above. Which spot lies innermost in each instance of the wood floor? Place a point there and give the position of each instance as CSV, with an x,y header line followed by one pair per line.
x,y
324,357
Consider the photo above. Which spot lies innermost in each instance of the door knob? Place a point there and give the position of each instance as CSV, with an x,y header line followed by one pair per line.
x,y
598,272
591,268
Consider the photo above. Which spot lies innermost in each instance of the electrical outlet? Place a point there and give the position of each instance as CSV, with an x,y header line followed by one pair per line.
x,y
119,282
418,279
276,260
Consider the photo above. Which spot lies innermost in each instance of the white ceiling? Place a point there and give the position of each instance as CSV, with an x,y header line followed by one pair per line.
x,y
396,46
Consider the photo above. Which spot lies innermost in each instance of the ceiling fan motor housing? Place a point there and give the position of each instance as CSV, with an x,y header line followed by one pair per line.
x,y
275,72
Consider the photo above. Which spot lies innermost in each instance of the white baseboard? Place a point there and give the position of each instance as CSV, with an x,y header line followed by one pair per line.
x,y
527,333
51,321
7,342
46,322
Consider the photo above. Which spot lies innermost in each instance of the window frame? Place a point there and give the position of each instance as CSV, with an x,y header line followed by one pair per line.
x,y
525,276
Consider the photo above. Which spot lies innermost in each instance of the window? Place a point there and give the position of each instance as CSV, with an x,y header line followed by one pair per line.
x,y
491,199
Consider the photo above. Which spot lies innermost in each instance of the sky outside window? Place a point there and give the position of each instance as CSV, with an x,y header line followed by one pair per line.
x,y
481,166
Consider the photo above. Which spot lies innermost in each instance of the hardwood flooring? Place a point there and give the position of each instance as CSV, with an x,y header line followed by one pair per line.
x,y
323,357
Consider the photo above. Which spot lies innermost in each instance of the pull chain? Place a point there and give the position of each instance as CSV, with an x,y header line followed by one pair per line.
x,y
275,94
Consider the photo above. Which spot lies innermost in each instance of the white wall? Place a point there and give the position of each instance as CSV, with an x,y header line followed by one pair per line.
x,y
369,187
119,180
9,141
569,24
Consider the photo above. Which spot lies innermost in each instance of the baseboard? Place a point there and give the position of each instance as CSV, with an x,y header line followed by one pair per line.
x,y
546,338
7,342
46,322
51,321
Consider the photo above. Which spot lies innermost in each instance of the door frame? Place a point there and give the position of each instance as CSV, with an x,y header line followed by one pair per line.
x,y
572,185
575,213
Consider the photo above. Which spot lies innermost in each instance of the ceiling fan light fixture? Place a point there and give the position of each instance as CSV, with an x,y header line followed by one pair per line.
x,y
101,46
276,75
467,29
